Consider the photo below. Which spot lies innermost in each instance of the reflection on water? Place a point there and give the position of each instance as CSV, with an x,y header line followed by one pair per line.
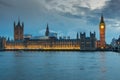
x,y
59,66
103,66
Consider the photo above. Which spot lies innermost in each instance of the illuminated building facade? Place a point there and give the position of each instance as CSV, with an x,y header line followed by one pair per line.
x,y
47,42
51,42
44,44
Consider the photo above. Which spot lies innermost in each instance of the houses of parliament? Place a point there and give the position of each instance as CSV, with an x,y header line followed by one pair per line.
x,y
50,41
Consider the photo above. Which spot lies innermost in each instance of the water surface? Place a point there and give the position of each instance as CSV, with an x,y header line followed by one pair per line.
x,y
59,66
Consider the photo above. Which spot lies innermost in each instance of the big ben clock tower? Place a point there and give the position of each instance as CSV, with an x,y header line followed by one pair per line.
x,y
102,33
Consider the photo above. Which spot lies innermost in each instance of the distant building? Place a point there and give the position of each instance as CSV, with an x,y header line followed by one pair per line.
x,y
116,44
18,31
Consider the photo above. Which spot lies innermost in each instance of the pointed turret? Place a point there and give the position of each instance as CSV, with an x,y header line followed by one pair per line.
x,y
14,24
18,21
47,31
102,19
77,35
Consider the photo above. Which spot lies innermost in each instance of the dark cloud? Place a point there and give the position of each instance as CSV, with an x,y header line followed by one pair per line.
x,y
5,4
112,10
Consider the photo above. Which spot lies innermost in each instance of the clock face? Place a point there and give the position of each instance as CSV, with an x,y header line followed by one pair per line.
x,y
102,27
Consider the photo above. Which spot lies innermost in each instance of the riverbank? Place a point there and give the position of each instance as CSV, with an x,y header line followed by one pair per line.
x,y
54,50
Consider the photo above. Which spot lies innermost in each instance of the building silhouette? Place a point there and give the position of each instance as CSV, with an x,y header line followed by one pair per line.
x,y
87,43
115,44
2,42
18,31
50,40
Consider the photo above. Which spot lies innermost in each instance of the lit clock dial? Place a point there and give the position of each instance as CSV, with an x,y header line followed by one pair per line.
x,y
102,27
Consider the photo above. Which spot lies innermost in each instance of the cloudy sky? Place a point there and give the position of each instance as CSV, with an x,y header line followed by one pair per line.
x,y
66,17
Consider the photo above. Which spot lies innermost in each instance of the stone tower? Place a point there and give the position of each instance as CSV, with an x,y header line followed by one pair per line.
x,y
18,31
102,33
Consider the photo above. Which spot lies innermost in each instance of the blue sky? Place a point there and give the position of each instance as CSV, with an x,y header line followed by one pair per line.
x,y
66,17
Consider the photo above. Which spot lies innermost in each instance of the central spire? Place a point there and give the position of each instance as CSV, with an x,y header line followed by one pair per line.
x,y
47,31
18,21
102,19
47,28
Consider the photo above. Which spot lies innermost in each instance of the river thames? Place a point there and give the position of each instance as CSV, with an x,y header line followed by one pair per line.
x,y
59,66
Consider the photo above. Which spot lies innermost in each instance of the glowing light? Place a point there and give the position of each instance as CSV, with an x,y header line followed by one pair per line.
x,y
102,47
102,27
